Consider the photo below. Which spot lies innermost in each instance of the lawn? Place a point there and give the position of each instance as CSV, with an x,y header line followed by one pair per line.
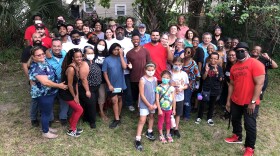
x,y
19,138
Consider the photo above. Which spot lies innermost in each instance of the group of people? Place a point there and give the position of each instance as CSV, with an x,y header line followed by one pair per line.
x,y
171,73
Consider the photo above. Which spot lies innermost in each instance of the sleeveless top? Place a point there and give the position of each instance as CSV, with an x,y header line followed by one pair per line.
x,y
95,75
149,92
65,94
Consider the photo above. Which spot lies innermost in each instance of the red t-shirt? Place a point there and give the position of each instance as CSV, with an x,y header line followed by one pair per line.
x,y
31,30
158,54
242,74
46,42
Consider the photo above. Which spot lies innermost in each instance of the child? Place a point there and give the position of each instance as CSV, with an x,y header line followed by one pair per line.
x,y
180,81
112,68
166,104
212,75
147,87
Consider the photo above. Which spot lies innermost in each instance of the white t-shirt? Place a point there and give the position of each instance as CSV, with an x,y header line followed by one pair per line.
x,y
180,79
110,42
69,45
127,45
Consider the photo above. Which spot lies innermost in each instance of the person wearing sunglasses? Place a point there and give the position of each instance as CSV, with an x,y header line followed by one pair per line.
x,y
44,88
246,81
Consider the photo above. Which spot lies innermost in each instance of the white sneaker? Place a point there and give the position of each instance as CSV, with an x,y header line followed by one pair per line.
x,y
210,122
49,135
197,121
131,108
52,130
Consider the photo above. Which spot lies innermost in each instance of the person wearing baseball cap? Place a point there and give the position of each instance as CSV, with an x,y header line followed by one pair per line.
x,y
246,81
144,37
41,29
113,27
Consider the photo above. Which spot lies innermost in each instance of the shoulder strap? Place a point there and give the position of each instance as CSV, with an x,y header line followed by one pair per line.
x,y
164,93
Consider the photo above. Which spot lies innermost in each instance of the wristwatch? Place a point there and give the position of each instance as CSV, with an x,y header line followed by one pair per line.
x,y
253,102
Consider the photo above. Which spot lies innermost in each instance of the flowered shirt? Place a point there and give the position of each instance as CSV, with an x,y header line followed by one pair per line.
x,y
193,72
39,89
166,101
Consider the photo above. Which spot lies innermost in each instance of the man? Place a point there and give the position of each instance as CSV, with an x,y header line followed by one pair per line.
x,y
86,30
227,44
37,41
46,41
56,59
217,35
266,61
113,27
62,30
206,38
79,26
183,28
138,57
70,28
126,45
158,53
234,42
246,82
144,38
199,53
31,29
76,42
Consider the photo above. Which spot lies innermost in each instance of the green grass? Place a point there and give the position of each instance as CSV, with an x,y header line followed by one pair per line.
x,y
19,138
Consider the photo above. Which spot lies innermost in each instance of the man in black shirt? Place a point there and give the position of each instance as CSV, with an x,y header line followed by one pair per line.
x,y
267,61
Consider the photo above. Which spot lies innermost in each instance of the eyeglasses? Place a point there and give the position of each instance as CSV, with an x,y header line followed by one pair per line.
x,y
39,55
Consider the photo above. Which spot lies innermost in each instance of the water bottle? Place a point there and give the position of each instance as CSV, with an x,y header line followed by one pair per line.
x,y
173,123
199,96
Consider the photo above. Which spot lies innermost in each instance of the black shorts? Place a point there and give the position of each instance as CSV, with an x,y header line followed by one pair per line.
x,y
179,108
111,94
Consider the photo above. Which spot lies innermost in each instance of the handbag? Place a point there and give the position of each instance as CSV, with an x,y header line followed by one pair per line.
x,y
164,93
205,95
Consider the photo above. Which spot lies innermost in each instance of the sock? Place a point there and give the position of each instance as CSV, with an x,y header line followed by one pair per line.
x,y
150,131
138,138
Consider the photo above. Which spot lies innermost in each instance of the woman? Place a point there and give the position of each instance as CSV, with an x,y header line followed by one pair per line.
x,y
109,38
98,30
164,39
129,27
179,52
230,62
70,74
101,52
191,68
173,30
43,88
190,34
90,75
199,53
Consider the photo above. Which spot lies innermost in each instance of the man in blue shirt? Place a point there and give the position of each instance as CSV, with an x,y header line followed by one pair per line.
x,y
144,38
55,58
206,38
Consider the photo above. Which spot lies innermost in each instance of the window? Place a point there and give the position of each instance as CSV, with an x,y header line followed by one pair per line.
x,y
88,7
120,9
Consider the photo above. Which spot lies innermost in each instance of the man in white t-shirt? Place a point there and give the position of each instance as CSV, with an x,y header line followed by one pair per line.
x,y
76,42
127,45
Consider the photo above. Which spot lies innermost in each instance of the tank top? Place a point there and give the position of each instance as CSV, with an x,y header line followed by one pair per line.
x,y
65,94
149,92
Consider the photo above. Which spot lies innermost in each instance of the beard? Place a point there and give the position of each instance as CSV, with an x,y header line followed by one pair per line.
x,y
154,41
120,36
37,43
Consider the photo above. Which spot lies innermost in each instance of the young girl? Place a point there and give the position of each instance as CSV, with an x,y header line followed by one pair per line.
x,y
212,75
70,74
166,104
147,86
113,71
180,81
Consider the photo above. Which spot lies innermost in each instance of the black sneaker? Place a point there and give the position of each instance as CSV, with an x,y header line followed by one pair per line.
x,y
176,133
114,124
73,133
92,125
172,132
150,136
35,123
63,122
138,145
79,130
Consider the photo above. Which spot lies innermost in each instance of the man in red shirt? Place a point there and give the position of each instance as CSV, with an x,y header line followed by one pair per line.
x,y
46,41
158,53
246,82
183,28
31,29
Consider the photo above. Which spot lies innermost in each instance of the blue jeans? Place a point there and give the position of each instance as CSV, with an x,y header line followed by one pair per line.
x,y
64,107
187,102
45,104
34,109
127,95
